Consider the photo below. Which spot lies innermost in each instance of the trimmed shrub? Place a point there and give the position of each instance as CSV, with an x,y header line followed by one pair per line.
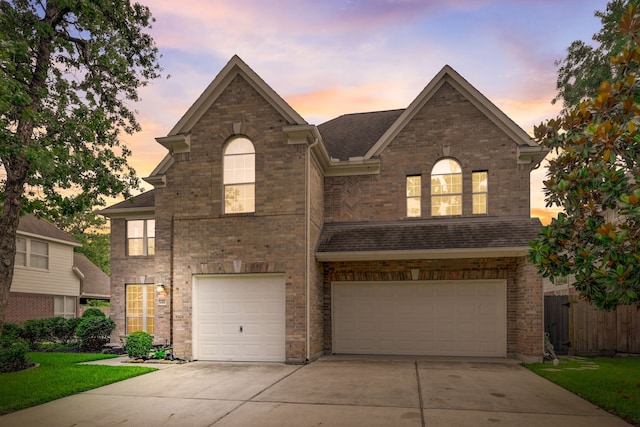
x,y
93,332
93,312
10,333
36,331
138,345
13,357
98,303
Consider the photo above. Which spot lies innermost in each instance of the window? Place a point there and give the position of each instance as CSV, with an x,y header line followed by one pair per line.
x,y
479,184
21,252
141,237
32,253
139,308
64,306
414,188
239,176
446,188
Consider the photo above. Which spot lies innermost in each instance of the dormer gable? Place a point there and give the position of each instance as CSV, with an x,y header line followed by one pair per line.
x,y
528,151
178,140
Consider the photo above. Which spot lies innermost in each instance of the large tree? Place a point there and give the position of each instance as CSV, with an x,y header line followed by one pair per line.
x,y
587,64
595,179
70,71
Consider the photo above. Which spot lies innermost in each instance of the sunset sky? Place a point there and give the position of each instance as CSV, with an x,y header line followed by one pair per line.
x,y
332,57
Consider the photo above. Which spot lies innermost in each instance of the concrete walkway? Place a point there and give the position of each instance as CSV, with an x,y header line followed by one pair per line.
x,y
334,391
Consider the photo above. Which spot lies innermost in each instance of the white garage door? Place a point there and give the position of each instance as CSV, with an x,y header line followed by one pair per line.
x,y
239,318
466,318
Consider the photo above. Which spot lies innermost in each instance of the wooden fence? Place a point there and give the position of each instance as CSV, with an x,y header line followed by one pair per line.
x,y
578,328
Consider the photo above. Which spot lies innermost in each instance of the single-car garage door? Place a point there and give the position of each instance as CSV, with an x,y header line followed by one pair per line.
x,y
462,318
239,318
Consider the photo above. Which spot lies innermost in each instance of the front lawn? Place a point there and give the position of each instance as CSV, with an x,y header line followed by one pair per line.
x,y
613,384
59,375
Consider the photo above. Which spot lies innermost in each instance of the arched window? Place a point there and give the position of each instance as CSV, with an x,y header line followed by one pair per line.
x,y
239,176
446,188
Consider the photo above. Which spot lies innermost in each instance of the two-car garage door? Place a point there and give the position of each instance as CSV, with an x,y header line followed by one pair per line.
x,y
464,318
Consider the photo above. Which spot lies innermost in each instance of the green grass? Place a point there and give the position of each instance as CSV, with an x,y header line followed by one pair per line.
x,y
614,386
59,375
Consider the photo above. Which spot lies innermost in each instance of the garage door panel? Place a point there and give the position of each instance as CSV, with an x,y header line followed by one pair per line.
x,y
425,318
239,318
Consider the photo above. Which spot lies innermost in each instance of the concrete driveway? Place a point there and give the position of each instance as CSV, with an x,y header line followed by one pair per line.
x,y
334,391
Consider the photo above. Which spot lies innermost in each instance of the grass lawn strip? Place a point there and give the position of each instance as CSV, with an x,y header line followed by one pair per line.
x,y
613,384
59,375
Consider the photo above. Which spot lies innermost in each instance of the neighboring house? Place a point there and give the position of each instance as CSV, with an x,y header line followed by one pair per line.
x,y
397,232
45,282
94,283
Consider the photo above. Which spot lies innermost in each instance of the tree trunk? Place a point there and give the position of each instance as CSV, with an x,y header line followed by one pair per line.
x,y
14,188
16,165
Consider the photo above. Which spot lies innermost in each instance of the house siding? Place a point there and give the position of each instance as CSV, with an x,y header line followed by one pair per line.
x,y
59,279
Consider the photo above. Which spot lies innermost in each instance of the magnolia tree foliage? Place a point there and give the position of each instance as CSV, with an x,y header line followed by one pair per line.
x,y
70,71
586,66
595,178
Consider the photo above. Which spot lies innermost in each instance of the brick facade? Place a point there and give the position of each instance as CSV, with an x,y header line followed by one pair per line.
x,y
295,198
24,306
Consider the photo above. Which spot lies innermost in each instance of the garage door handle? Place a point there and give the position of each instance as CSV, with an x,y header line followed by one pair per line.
x,y
240,328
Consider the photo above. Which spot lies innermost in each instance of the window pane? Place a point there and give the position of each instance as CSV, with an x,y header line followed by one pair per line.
x,y
413,186
135,247
479,182
446,166
140,308
135,228
39,248
239,169
151,246
239,146
239,198
479,203
151,228
38,261
413,207
446,205
21,244
21,259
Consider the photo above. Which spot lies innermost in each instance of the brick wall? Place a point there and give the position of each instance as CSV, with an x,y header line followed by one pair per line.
x,y
448,125
127,270
194,236
23,306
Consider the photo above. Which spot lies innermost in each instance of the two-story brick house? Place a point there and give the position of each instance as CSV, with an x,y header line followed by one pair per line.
x,y
395,232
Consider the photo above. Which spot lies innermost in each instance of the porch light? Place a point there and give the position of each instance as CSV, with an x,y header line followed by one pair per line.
x,y
160,287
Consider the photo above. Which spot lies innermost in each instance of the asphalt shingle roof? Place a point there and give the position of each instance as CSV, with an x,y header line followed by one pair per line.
x,y
33,225
351,135
463,233
142,200
95,282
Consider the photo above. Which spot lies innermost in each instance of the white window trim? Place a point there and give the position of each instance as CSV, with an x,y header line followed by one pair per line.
x,y
28,254
145,236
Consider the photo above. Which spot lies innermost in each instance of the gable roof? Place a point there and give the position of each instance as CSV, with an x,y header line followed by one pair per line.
x,y
234,67
94,282
532,151
143,203
352,135
178,138
427,239
32,226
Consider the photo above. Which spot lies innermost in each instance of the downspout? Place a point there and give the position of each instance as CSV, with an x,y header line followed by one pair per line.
x,y
309,250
